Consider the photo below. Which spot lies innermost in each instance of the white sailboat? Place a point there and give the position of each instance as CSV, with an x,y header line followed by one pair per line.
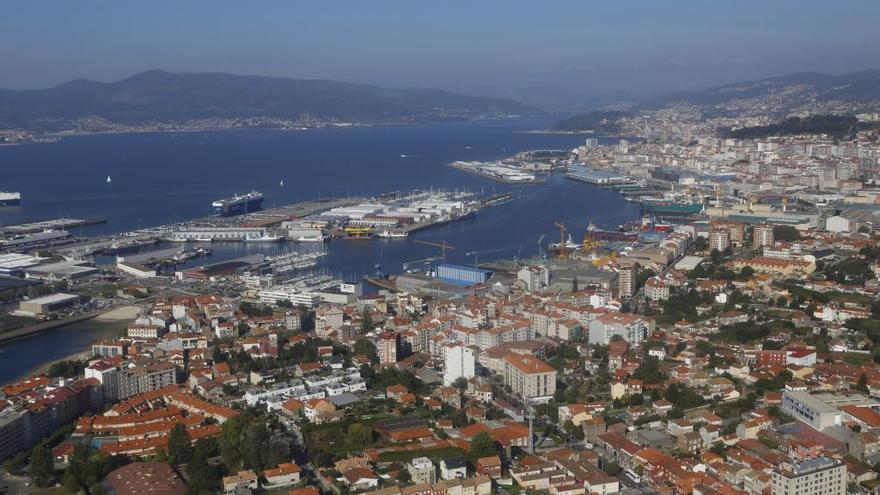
x,y
109,180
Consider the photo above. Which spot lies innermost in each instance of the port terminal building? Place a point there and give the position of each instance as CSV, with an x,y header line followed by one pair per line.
x,y
581,173
219,234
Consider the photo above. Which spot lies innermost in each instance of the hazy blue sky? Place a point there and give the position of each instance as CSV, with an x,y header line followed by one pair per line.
x,y
530,49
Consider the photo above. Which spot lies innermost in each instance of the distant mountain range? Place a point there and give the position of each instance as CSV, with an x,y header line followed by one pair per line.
x,y
786,94
600,121
158,96
777,97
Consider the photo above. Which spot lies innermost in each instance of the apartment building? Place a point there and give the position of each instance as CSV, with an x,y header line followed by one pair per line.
x,y
528,376
818,476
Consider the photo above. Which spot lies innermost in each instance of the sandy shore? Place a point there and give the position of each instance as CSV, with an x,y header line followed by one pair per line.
x,y
126,313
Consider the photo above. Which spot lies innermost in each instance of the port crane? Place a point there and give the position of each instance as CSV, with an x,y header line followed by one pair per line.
x,y
561,226
442,245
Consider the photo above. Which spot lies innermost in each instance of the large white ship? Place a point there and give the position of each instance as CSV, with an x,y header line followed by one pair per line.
x,y
10,198
238,204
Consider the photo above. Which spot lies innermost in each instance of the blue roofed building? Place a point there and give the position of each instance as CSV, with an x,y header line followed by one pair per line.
x,y
462,275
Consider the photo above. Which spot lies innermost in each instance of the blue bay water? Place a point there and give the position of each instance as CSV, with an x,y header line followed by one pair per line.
x,y
160,178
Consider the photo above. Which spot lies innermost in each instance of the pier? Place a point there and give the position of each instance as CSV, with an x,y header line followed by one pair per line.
x,y
52,224
265,225
499,172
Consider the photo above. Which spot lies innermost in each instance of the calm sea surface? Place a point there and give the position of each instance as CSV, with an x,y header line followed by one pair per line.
x,y
160,178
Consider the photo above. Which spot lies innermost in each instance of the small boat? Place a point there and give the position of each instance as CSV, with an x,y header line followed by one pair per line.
x,y
281,183
109,180
404,156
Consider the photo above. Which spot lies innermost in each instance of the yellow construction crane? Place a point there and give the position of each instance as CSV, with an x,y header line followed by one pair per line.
x,y
590,245
561,226
442,245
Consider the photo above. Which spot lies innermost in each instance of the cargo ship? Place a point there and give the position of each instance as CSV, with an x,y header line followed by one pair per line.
x,y
598,234
10,198
664,207
646,224
238,204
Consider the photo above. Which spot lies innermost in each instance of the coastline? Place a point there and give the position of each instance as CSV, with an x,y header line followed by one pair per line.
x,y
347,259
104,326
54,137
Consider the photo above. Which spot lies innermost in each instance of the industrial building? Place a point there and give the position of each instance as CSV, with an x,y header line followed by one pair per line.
x,y
838,224
422,284
13,264
810,409
62,270
581,173
462,275
42,305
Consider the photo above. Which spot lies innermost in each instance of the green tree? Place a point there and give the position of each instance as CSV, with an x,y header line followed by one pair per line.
x,y
746,273
259,448
41,469
573,430
67,368
482,445
460,383
366,322
786,233
862,384
87,469
649,371
179,446
359,436
612,468
204,479
363,346
69,482
229,440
